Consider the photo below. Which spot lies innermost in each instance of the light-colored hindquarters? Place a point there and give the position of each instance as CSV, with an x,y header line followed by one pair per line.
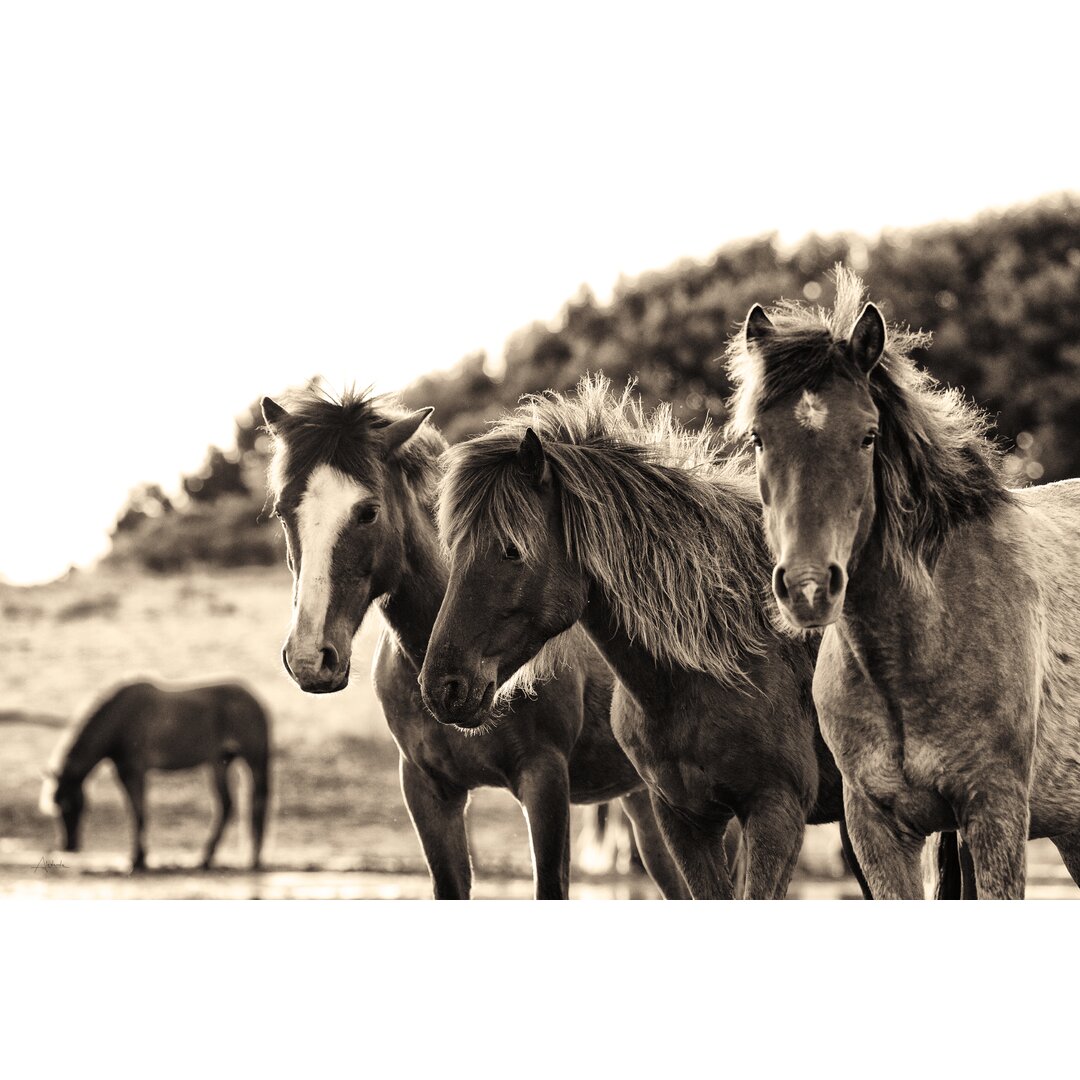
x,y
1054,538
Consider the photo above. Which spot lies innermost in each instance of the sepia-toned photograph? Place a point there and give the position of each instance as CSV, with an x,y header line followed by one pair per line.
x,y
594,455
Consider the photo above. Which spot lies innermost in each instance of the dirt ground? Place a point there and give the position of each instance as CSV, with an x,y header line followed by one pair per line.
x,y
338,827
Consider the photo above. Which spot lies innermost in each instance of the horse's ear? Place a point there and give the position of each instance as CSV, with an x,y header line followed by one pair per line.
x,y
401,431
531,459
868,339
272,412
758,324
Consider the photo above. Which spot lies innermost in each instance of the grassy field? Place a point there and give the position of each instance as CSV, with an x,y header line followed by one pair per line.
x,y
335,795
335,806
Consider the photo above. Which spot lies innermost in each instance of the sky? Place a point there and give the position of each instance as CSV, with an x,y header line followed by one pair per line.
x,y
208,202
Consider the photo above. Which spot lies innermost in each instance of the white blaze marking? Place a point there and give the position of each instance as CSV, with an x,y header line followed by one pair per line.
x,y
811,411
328,500
810,591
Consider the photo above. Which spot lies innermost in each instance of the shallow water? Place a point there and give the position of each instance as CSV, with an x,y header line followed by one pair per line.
x,y
81,879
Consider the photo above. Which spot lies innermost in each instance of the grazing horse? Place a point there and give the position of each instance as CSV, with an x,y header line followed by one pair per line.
x,y
578,509
353,483
948,683
140,727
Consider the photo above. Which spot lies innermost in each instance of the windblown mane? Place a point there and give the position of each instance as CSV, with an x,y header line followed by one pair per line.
x,y
669,531
345,433
934,465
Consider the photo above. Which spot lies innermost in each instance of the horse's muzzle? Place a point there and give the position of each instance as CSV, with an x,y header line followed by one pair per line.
x,y
326,677
810,597
458,701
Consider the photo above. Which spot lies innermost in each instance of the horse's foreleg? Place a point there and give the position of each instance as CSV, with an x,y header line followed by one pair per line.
x,y
222,810
544,793
852,861
698,855
134,783
773,834
994,824
439,819
890,858
654,852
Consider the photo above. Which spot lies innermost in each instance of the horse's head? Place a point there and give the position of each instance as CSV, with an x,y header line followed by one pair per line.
x,y
512,586
343,509
806,404
62,797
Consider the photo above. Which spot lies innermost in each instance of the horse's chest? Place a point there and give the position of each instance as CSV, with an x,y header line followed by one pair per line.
x,y
874,742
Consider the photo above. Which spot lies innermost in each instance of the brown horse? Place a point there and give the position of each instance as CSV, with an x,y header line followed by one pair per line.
x,y
353,483
577,508
948,683
140,727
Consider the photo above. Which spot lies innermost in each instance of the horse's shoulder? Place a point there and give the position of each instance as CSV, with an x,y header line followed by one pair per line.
x,y
392,674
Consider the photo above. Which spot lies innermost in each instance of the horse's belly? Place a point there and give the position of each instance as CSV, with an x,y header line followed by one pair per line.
x,y
177,745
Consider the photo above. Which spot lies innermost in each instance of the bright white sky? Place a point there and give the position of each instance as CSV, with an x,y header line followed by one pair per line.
x,y
204,202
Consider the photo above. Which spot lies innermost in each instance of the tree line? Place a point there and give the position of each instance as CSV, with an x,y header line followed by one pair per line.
x,y
1000,293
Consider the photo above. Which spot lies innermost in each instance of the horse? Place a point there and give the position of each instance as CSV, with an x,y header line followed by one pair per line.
x,y
353,483
948,682
141,726
580,511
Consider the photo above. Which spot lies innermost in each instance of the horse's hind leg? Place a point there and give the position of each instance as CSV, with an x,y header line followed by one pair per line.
x,y
439,819
956,870
698,855
134,783
223,810
654,852
1068,845
260,796
773,834
544,793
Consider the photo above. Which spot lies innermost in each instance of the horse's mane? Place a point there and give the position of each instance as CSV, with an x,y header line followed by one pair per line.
x,y
344,431
934,465
650,511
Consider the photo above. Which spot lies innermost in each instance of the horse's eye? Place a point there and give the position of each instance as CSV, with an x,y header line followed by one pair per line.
x,y
869,439
755,440
511,552
365,515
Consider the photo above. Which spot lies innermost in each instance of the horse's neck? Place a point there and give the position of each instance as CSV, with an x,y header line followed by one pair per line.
x,y
887,621
93,743
635,667
411,607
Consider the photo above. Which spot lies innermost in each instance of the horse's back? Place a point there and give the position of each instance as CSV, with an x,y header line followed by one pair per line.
x,y
164,728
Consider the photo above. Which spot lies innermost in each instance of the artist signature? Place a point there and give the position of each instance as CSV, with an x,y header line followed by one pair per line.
x,y
48,865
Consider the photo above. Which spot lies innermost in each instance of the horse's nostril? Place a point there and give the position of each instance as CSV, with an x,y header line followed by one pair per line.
x,y
329,658
453,692
778,583
836,580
